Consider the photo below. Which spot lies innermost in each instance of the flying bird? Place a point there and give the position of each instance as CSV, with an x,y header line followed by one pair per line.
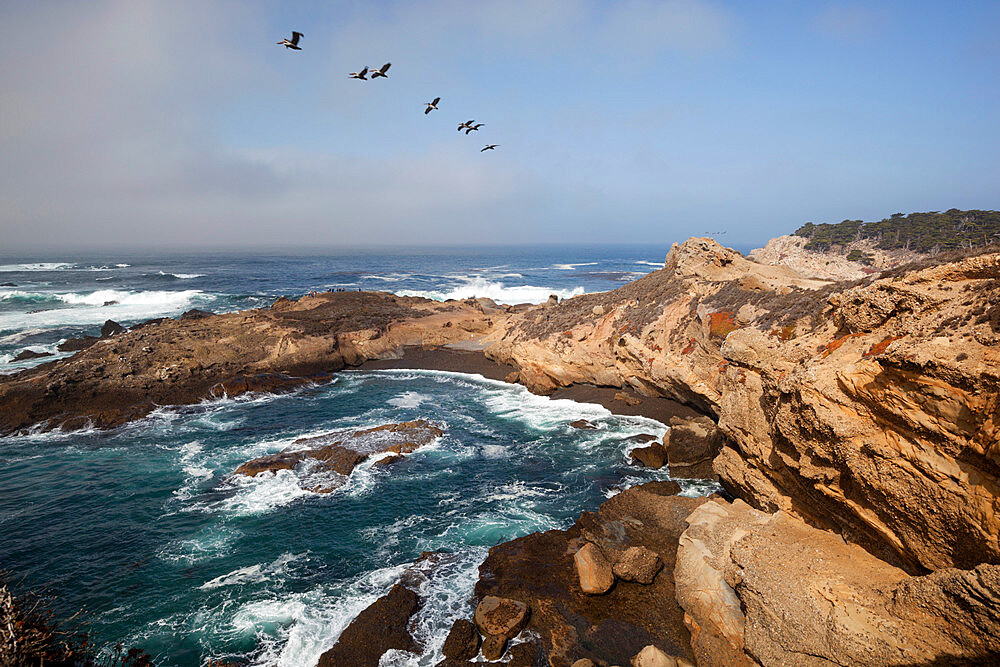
x,y
466,125
431,105
376,73
489,147
470,128
360,75
292,43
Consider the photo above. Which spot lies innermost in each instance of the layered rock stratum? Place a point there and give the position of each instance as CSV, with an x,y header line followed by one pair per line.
x,y
859,424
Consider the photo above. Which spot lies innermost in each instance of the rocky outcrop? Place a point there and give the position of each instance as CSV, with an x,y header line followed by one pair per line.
x,y
828,603
379,628
540,571
124,376
340,452
847,405
832,264
25,355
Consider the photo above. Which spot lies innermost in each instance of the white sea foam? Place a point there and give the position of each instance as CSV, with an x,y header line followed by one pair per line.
x,y
570,267
182,276
254,573
658,265
35,266
409,399
498,291
311,622
90,308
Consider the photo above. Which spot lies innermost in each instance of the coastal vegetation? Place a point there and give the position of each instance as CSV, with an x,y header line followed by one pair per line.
x,y
927,233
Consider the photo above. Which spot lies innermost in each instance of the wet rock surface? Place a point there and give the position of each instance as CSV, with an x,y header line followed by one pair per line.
x,y
379,628
340,452
25,355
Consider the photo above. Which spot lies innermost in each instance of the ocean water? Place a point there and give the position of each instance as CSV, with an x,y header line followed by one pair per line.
x,y
44,300
146,528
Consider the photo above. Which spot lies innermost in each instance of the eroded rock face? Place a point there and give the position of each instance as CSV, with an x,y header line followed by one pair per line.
x,y
340,452
827,602
871,408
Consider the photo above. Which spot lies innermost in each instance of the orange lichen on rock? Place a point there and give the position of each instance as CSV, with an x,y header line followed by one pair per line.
x,y
879,348
721,324
692,343
785,333
833,345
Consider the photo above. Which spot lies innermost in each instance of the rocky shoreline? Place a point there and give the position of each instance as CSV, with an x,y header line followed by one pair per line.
x,y
858,435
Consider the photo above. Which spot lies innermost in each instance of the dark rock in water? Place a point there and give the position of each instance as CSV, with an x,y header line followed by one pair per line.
x,y
110,303
377,629
341,452
7,285
528,654
76,344
261,382
195,314
462,642
654,456
583,424
24,355
643,438
111,328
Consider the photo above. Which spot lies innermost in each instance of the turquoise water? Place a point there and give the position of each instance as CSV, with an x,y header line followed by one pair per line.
x,y
146,528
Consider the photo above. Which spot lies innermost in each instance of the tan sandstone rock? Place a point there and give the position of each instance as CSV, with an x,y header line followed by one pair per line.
x,y
637,564
594,570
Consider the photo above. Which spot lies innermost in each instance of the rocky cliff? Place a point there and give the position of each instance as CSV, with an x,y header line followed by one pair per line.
x,y
861,425
869,408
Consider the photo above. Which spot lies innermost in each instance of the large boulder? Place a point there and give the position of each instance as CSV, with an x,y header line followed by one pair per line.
x,y
594,570
638,564
111,328
499,620
691,445
462,642
652,456
654,657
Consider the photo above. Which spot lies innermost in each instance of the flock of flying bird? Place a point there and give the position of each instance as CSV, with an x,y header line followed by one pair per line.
x,y
382,72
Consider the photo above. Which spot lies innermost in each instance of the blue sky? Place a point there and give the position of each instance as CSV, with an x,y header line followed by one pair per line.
x,y
183,124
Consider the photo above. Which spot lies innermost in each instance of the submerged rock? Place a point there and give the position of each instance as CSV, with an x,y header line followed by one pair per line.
x,y
340,452
24,355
